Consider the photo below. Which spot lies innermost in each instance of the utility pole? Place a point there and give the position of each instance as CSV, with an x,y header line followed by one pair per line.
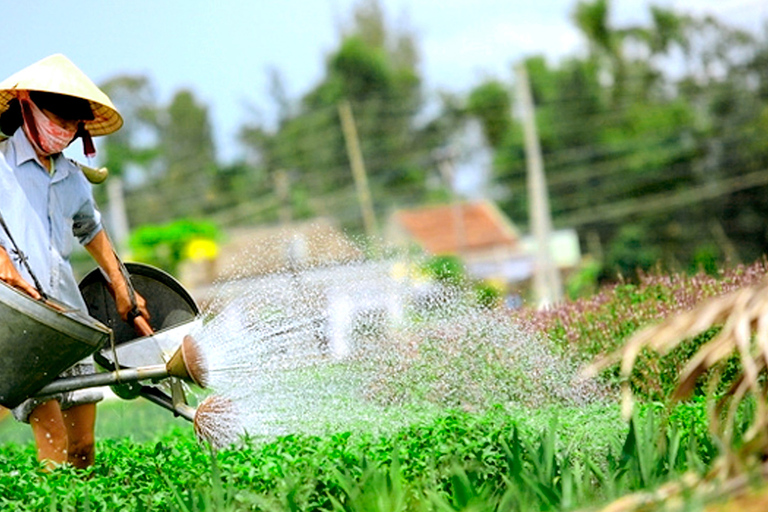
x,y
283,192
358,171
547,284
117,213
447,170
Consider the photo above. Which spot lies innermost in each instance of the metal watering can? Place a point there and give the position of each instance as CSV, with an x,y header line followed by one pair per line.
x,y
39,340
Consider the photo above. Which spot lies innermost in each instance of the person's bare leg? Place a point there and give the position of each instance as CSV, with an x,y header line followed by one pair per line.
x,y
80,421
50,433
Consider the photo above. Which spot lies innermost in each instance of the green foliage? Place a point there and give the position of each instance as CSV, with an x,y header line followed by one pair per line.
x,y
705,259
584,282
592,19
630,252
362,70
624,144
133,97
446,269
487,295
602,323
456,461
163,245
375,489
186,139
491,103
614,131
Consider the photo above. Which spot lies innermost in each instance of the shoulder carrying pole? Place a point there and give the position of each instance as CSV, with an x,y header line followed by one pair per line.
x,y
21,257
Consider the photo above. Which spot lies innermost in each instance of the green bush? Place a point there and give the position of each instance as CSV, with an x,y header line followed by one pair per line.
x,y
163,245
487,295
447,269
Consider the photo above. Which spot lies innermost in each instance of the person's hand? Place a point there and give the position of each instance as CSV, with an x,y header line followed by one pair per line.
x,y
10,275
124,305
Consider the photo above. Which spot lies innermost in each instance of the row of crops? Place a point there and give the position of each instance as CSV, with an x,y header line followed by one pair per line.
x,y
551,460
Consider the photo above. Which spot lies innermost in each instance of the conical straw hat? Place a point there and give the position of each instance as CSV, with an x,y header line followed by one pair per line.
x,y
59,75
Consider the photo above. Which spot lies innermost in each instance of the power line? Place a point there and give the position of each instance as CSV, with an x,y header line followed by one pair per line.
x,y
663,201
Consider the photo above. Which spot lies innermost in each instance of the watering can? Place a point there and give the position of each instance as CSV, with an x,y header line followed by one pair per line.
x,y
39,340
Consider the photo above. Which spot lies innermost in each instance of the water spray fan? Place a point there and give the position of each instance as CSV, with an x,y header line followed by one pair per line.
x,y
40,340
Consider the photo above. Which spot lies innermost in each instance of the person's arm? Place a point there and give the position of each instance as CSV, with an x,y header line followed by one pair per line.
x,y
10,275
103,253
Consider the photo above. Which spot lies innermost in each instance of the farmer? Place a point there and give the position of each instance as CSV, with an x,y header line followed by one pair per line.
x,y
45,200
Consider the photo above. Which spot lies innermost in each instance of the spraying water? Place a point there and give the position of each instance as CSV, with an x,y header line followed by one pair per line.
x,y
362,344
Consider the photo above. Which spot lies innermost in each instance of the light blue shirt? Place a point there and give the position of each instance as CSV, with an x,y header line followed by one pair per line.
x,y
45,214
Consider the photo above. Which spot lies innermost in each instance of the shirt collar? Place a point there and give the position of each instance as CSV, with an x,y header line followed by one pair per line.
x,y
25,152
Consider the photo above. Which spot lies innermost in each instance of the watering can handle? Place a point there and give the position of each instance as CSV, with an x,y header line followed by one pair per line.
x,y
54,305
142,326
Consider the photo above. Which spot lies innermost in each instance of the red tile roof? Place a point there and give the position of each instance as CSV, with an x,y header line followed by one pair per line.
x,y
456,228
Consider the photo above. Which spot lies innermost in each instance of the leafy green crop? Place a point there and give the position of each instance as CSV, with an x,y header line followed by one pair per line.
x,y
552,460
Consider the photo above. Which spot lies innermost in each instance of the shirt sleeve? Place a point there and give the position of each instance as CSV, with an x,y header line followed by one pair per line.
x,y
86,223
86,217
4,192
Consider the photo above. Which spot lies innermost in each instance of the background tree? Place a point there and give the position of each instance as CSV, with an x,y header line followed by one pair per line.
x,y
626,144
188,154
491,103
182,177
374,68
135,144
636,148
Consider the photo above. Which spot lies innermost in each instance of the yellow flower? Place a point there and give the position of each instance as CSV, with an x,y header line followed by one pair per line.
x,y
201,249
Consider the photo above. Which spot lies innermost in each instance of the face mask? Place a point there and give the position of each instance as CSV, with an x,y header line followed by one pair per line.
x,y
46,136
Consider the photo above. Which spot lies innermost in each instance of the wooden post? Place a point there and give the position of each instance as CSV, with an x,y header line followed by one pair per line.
x,y
447,169
118,217
546,275
358,171
283,192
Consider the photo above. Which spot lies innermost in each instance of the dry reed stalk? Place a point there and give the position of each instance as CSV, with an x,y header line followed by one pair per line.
x,y
677,496
743,315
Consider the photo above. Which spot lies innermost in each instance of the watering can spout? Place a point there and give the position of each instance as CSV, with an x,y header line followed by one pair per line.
x,y
188,363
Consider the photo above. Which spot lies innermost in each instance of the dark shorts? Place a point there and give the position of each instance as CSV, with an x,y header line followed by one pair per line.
x,y
67,400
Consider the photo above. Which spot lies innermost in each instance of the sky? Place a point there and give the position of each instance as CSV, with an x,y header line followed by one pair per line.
x,y
222,49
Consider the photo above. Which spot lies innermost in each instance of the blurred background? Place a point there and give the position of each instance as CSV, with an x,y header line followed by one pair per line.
x,y
624,135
